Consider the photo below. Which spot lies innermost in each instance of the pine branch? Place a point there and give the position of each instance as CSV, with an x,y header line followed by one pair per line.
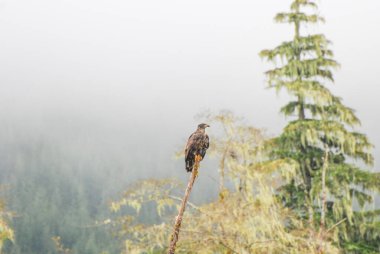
x,y
178,221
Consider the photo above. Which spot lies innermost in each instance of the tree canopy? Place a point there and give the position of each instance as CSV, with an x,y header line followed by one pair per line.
x,y
321,137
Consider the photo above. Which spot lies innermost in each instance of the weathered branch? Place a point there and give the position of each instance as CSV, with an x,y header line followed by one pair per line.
x,y
178,221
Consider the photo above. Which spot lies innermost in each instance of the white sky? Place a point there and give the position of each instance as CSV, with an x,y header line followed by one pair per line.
x,y
155,64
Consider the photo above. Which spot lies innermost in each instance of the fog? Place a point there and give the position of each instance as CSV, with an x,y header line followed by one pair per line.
x,y
114,86
128,77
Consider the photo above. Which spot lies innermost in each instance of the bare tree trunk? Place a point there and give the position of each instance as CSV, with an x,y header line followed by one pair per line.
x,y
323,200
178,221
324,168
222,170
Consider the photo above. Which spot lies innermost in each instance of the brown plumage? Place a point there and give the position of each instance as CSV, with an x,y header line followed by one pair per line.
x,y
196,145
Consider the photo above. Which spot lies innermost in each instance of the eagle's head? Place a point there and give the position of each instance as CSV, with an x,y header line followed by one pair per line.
x,y
203,126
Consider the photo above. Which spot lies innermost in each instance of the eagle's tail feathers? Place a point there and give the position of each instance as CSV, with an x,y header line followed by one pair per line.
x,y
189,166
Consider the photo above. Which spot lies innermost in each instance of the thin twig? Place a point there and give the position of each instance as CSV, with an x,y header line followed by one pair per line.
x,y
336,224
189,203
195,207
226,246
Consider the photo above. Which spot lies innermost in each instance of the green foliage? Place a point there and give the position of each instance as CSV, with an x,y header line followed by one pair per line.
x,y
246,218
6,232
59,246
323,125
50,197
139,236
151,191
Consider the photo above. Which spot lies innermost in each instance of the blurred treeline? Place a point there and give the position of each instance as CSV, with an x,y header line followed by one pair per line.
x,y
308,190
56,185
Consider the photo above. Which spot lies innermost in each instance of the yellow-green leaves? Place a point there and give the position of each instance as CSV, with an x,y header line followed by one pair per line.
x,y
302,3
321,127
298,17
146,191
247,218
6,232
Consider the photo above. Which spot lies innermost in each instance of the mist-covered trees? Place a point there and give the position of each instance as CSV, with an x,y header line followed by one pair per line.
x,y
322,140
246,217
52,192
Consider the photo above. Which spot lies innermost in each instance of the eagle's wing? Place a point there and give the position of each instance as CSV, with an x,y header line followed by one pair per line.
x,y
204,146
189,144
195,143
207,141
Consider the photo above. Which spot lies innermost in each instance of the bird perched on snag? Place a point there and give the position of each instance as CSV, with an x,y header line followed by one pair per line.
x,y
196,145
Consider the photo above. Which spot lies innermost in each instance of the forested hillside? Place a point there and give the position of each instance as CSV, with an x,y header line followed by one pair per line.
x,y
55,189
95,166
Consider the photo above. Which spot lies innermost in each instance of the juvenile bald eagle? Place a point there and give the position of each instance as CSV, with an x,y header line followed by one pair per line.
x,y
196,145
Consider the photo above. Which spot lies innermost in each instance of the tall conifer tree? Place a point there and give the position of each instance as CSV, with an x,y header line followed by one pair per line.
x,y
321,139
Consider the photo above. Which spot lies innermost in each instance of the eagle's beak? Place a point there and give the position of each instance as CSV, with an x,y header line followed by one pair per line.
x,y
208,125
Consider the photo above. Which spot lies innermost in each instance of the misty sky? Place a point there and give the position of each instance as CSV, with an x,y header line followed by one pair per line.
x,y
150,66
